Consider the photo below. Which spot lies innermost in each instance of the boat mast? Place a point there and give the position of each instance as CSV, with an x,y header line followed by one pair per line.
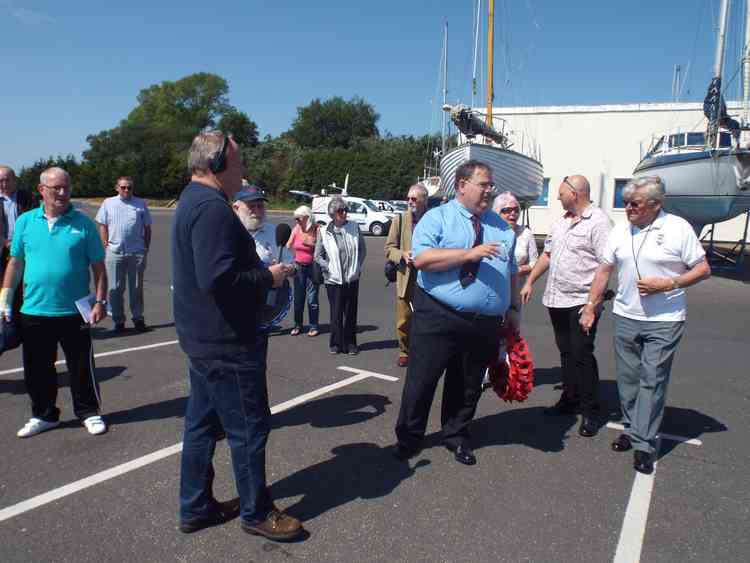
x,y
445,86
490,61
713,131
476,50
746,68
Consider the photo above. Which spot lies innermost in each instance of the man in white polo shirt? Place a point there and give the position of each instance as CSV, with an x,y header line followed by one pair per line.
x,y
657,255
124,224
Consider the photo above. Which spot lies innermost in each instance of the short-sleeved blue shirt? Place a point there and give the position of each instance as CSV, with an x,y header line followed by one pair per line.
x,y
449,226
57,260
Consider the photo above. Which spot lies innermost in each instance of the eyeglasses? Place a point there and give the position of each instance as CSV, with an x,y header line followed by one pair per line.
x,y
486,186
64,188
571,186
257,205
412,199
510,210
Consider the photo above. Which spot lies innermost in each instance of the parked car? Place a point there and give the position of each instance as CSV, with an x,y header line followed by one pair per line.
x,y
362,211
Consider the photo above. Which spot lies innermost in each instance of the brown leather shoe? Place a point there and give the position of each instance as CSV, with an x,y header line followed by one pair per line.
x,y
222,512
278,526
403,361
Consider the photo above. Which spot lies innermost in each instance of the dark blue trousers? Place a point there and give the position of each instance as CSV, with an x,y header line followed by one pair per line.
x,y
228,393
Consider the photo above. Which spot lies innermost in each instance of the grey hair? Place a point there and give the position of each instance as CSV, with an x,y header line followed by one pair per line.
x,y
502,200
652,185
54,171
419,187
10,171
337,202
204,149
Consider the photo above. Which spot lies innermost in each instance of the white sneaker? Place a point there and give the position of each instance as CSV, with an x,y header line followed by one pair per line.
x,y
95,425
35,426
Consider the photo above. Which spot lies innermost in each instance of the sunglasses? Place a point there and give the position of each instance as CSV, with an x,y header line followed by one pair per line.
x,y
510,210
412,199
634,204
342,211
571,186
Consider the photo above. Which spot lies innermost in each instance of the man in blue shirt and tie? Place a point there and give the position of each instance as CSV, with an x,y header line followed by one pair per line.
x,y
465,290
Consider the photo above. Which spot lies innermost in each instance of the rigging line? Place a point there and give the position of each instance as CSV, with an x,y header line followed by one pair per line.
x,y
701,8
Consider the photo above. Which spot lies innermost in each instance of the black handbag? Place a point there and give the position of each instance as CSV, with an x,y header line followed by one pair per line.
x,y
10,336
390,270
316,274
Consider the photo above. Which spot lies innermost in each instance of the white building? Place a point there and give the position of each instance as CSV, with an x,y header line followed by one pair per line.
x,y
603,143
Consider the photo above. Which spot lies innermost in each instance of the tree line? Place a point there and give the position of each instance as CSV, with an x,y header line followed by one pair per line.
x,y
328,140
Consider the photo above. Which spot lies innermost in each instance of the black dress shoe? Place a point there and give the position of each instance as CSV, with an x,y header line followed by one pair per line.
x,y
588,427
221,513
622,443
402,452
643,462
465,455
563,407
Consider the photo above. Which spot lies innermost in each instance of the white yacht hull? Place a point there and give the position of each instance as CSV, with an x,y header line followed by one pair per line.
x,y
703,187
511,171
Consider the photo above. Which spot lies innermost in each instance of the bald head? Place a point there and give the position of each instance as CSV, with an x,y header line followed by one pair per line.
x,y
574,193
580,184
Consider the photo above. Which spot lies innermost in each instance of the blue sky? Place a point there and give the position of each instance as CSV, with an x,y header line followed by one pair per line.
x,y
74,68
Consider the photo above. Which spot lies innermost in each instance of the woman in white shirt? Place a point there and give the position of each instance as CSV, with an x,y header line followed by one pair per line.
x,y
506,205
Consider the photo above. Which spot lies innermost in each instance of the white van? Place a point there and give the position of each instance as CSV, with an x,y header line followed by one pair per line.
x,y
360,210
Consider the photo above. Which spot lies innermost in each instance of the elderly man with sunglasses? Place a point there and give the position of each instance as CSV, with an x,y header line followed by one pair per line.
x,y
398,250
464,254
657,255
573,251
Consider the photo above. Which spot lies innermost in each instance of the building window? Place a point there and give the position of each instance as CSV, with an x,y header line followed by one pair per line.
x,y
619,185
543,200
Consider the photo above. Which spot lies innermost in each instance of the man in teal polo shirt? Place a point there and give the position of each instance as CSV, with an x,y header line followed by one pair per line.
x,y
53,248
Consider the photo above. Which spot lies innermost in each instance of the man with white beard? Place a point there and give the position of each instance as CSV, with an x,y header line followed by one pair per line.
x,y
250,206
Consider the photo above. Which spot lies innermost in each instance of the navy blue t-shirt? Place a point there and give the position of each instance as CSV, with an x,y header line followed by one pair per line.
x,y
220,284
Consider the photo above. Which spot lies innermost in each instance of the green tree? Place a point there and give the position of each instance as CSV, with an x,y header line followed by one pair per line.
x,y
334,123
151,143
28,176
244,131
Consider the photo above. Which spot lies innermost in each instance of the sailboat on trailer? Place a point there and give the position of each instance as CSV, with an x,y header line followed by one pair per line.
x,y
706,174
519,172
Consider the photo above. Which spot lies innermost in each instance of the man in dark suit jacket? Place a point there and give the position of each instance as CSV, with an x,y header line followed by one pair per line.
x,y
14,202
398,250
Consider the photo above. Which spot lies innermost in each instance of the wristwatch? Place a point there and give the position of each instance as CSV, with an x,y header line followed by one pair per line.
x,y
102,302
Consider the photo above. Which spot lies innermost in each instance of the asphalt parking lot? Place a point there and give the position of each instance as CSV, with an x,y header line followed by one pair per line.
x,y
540,492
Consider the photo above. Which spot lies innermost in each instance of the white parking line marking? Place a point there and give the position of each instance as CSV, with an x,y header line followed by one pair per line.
x,y
369,373
671,437
630,544
104,354
111,473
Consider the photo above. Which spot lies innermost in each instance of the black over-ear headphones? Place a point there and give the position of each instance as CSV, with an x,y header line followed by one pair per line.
x,y
219,162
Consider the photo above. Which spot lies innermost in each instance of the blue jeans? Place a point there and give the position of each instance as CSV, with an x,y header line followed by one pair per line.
x,y
122,269
227,393
305,288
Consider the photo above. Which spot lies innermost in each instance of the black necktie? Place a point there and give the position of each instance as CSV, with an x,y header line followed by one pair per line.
x,y
469,270
3,219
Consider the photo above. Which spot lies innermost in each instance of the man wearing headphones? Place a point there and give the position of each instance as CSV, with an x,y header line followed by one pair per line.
x,y
220,285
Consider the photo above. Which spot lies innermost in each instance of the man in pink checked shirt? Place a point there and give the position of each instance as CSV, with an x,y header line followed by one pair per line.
x,y
573,251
